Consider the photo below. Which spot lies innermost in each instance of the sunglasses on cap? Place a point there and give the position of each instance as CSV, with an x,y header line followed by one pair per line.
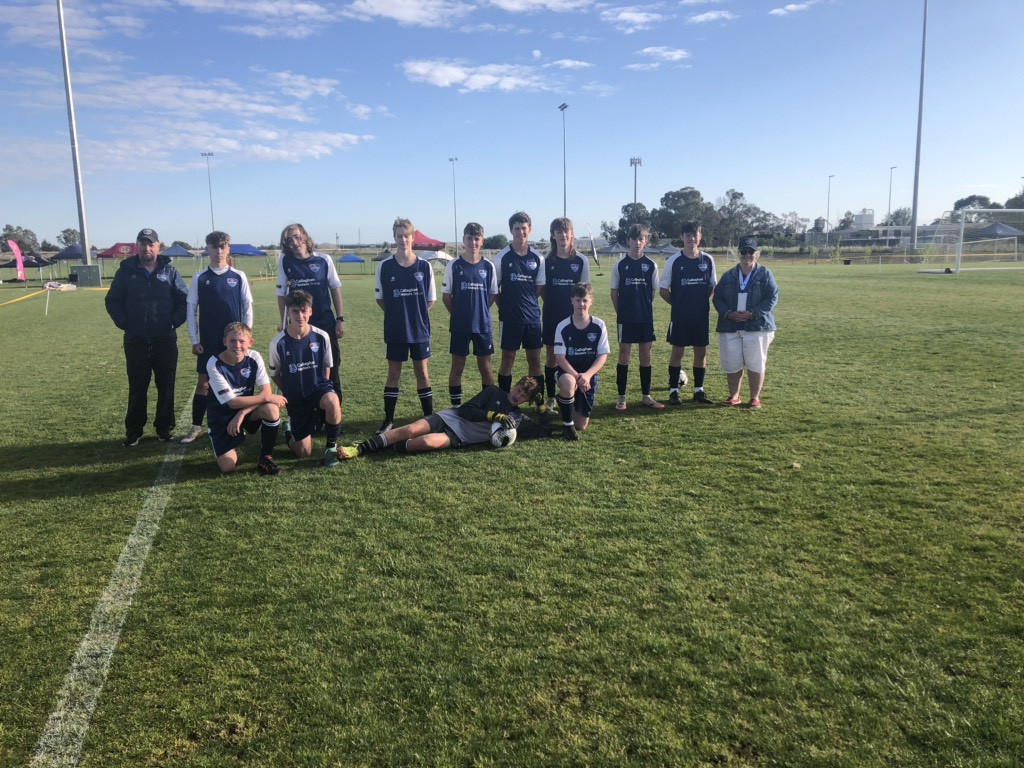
x,y
747,251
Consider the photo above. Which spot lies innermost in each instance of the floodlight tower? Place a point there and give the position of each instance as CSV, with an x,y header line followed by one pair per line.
x,y
888,216
455,205
828,207
80,194
209,183
635,162
561,108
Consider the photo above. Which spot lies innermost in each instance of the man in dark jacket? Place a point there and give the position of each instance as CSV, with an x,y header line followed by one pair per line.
x,y
147,300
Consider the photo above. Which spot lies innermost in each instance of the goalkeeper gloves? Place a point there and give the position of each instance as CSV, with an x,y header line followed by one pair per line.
x,y
502,418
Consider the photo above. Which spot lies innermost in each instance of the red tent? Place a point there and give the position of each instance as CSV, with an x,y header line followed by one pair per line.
x,y
421,242
119,251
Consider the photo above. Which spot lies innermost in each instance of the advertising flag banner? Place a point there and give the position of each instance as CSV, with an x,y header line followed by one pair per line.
x,y
18,260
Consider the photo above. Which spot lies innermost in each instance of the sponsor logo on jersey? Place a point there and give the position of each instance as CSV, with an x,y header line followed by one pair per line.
x,y
396,293
570,352
293,368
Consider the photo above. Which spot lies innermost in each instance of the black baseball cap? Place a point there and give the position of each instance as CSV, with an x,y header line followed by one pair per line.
x,y
147,234
749,243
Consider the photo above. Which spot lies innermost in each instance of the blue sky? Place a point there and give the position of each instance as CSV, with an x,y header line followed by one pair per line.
x,y
343,115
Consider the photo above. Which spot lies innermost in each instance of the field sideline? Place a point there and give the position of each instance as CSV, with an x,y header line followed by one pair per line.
x,y
836,580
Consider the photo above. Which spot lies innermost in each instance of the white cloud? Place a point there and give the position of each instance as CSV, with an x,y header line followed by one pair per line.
x,y
663,53
643,67
536,54
602,90
704,18
631,19
792,8
302,87
529,6
365,112
488,77
698,2
422,13
570,64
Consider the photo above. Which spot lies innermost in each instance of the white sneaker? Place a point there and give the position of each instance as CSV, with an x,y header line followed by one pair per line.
x,y
193,432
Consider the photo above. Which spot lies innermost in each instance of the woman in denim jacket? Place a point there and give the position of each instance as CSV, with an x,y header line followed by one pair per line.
x,y
745,298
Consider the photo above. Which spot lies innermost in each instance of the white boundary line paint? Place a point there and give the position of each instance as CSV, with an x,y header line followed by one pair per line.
x,y
61,742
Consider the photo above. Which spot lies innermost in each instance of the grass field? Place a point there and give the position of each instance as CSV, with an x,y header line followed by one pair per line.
x,y
835,580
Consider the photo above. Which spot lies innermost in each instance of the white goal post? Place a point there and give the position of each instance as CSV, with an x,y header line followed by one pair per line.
x,y
989,238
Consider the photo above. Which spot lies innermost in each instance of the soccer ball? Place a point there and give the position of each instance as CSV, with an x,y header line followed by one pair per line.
x,y
501,437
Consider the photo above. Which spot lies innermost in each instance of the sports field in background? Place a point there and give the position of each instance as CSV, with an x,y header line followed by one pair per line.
x,y
837,580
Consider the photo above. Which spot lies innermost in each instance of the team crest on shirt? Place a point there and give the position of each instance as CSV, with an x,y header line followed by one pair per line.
x,y
591,337
314,268
419,277
574,267
531,264
645,267
162,277
232,282
245,372
703,267
482,272
293,368
314,346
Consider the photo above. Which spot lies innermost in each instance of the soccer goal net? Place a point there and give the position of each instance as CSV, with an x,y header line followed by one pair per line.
x,y
979,238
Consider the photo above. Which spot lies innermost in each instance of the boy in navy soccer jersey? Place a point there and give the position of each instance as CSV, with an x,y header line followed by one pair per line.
x,y
520,272
302,266
634,279
217,295
688,283
299,363
468,290
404,289
564,268
581,349
468,424
242,401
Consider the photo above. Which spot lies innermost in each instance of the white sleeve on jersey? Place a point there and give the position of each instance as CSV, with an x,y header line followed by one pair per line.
x,y
493,288
559,348
446,281
282,278
262,377
666,276
542,273
273,357
247,315
219,386
497,266
654,279
430,290
585,272
333,281
603,345
378,292
325,342
714,274
192,309
615,275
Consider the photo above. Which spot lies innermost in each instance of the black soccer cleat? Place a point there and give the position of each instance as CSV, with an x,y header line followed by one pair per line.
x,y
673,398
701,397
569,433
267,466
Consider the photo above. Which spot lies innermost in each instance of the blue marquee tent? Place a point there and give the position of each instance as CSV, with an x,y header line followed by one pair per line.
x,y
244,249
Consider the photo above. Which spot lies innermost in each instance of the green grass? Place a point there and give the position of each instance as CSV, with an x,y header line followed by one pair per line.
x,y
836,580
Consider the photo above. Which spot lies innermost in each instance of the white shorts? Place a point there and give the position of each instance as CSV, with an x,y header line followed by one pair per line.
x,y
744,349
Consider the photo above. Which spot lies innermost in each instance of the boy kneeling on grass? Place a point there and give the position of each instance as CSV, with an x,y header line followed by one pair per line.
x,y
300,364
468,424
242,401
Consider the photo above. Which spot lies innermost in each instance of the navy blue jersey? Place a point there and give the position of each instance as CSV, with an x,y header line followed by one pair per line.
x,y
228,381
317,277
635,280
471,287
300,365
407,293
690,282
518,280
582,346
560,275
218,298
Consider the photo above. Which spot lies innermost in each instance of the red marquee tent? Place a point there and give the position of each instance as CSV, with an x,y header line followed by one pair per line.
x,y
421,242
119,251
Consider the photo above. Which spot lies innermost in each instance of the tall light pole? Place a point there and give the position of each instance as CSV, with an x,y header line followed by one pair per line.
x,y
209,183
561,108
86,254
920,119
635,162
455,205
888,216
828,207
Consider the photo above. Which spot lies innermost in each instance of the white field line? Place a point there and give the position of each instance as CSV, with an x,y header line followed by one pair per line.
x,y
61,742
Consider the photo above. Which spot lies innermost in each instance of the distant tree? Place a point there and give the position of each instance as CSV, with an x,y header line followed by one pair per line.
x,y
1017,201
68,237
495,242
677,208
183,244
46,245
25,238
736,218
974,201
609,231
794,224
634,214
847,221
898,218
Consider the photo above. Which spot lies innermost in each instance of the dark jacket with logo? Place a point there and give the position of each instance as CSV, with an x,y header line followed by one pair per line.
x,y
147,305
